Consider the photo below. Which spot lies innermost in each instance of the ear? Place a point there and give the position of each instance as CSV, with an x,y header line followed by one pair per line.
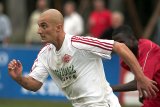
x,y
59,27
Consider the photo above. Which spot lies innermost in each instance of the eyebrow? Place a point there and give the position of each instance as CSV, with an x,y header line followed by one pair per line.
x,y
43,23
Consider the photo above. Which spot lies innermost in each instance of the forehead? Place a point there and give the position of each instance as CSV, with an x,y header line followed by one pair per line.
x,y
43,19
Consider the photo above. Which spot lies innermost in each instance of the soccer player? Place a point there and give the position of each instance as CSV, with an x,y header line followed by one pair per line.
x,y
148,55
75,65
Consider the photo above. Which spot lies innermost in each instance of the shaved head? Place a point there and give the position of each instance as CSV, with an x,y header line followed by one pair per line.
x,y
53,15
51,30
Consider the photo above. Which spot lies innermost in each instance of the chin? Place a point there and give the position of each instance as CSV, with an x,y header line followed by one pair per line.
x,y
43,41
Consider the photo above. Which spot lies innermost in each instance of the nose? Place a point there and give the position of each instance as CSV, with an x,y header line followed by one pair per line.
x,y
39,31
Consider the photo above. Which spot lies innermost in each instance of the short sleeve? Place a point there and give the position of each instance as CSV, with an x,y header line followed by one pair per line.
x,y
39,71
100,47
40,68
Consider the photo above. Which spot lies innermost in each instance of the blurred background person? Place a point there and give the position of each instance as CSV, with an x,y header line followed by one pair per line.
x,y
73,21
5,27
117,20
99,19
32,36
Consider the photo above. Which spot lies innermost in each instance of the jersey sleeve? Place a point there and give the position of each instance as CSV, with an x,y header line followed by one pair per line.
x,y
39,69
39,72
100,47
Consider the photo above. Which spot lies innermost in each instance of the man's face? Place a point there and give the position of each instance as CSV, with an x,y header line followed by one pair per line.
x,y
46,30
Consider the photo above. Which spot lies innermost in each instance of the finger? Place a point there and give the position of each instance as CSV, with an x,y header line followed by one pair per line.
x,y
14,62
152,91
10,65
155,88
11,68
145,95
19,63
148,92
154,82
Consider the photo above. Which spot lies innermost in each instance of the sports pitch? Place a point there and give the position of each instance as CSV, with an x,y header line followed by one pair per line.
x,y
35,103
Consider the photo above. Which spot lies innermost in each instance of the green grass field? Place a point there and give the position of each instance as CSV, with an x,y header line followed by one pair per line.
x,y
35,103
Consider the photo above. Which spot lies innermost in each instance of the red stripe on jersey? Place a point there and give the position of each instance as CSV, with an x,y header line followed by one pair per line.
x,y
90,41
96,45
93,42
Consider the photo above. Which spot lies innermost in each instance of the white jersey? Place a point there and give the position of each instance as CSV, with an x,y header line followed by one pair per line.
x,y
77,69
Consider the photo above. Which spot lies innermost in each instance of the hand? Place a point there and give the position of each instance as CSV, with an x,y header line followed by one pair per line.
x,y
147,87
15,69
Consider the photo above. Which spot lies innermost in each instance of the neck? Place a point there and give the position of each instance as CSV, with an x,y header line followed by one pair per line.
x,y
60,41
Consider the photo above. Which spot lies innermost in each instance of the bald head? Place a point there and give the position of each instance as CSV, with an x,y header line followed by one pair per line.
x,y
50,28
53,15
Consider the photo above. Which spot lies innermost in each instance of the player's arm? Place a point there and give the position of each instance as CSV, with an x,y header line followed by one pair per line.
x,y
29,83
143,83
130,86
15,71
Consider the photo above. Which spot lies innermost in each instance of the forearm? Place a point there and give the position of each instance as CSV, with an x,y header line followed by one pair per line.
x,y
130,86
129,59
29,83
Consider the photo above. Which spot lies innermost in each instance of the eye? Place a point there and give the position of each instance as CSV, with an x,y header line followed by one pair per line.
x,y
44,26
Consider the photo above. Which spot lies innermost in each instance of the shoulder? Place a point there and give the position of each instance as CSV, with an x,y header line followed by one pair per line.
x,y
88,39
35,14
4,17
145,41
86,43
45,49
146,44
76,16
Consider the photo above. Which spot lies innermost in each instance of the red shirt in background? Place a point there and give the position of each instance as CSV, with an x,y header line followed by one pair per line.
x,y
149,59
98,22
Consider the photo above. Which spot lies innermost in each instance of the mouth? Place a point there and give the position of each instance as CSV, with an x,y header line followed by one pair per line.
x,y
42,37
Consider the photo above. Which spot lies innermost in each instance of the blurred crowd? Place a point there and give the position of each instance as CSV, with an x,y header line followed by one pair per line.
x,y
5,27
100,21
